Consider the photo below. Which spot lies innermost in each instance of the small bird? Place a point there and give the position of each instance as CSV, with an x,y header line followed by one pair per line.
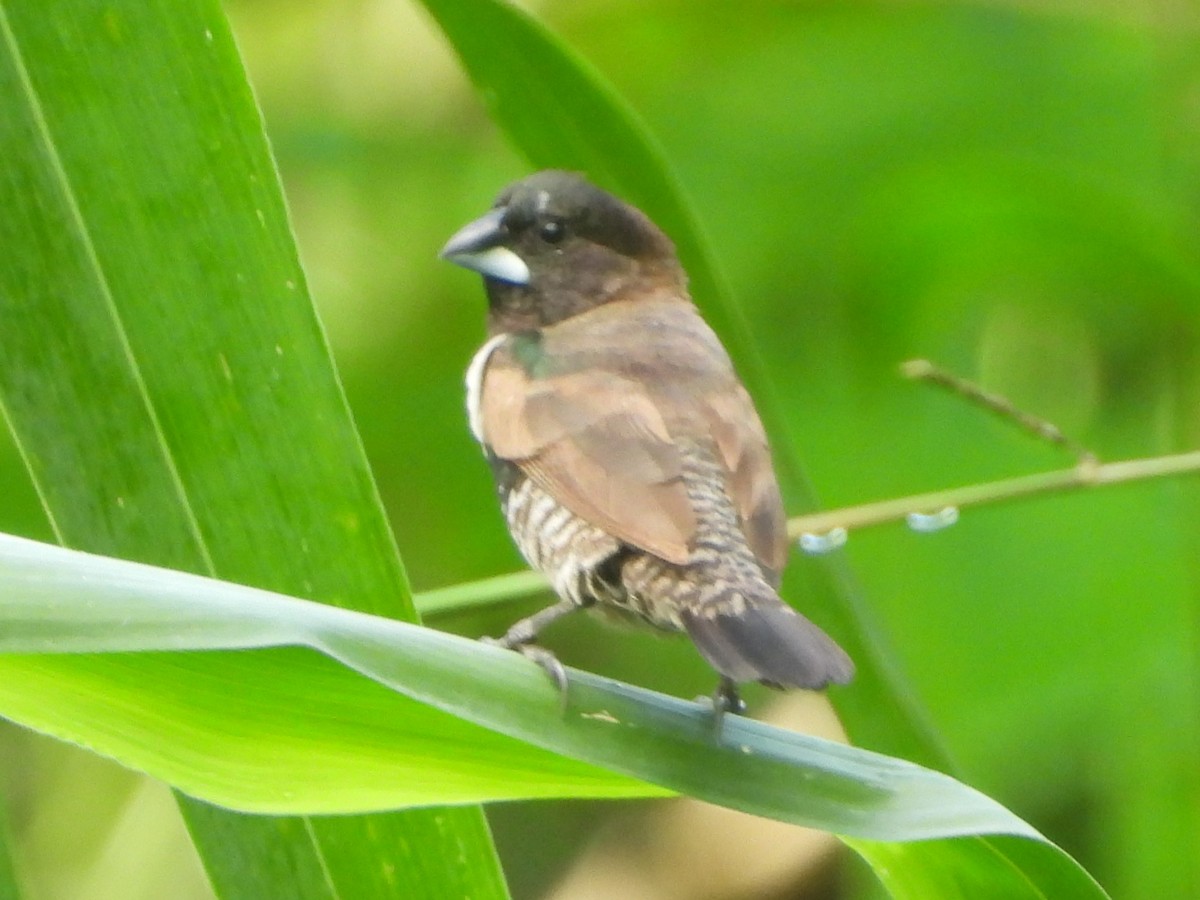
x,y
631,465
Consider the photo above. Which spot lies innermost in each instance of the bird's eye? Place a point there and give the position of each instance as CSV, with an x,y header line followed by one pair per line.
x,y
552,231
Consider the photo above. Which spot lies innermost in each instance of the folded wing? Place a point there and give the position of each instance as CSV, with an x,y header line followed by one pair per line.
x,y
579,417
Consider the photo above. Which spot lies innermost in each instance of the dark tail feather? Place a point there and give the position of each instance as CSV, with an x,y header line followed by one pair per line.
x,y
769,642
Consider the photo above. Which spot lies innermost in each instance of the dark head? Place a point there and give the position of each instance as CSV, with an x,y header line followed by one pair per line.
x,y
554,245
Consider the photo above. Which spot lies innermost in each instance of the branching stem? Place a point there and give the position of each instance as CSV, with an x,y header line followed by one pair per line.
x,y
1087,474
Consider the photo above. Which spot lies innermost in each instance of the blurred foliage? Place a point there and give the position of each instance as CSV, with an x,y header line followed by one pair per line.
x,y
1008,189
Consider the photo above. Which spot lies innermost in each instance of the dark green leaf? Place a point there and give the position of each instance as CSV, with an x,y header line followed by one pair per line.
x,y
168,383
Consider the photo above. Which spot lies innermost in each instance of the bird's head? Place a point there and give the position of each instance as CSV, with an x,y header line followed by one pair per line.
x,y
554,245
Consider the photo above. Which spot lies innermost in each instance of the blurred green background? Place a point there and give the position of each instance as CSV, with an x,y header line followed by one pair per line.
x,y
1010,189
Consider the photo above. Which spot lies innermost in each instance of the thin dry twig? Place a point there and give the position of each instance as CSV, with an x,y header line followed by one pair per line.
x,y
1085,475
924,370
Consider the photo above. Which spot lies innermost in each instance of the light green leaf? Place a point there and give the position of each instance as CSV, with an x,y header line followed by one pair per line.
x,y
63,602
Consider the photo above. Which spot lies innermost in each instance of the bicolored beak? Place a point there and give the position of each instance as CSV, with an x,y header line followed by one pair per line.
x,y
479,246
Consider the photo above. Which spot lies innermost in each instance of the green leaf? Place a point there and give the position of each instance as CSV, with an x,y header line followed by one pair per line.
x,y
351,749
998,868
168,384
58,601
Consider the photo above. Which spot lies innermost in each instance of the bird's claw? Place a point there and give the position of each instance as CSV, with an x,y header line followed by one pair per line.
x,y
540,655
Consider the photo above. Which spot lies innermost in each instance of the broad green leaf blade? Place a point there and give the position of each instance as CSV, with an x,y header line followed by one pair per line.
x,y
60,601
561,113
169,387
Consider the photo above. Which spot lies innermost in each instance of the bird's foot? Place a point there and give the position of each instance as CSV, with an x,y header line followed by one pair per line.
x,y
540,655
725,699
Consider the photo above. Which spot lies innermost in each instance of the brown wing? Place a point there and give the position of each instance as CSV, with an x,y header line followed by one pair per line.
x,y
742,445
596,441
595,435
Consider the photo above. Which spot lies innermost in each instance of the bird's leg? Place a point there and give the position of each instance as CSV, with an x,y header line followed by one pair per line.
x,y
522,634
526,630
725,699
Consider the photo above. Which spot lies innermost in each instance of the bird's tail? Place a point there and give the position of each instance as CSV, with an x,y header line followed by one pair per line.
x,y
764,639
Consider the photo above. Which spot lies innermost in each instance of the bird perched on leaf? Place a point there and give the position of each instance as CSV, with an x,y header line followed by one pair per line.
x,y
632,468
